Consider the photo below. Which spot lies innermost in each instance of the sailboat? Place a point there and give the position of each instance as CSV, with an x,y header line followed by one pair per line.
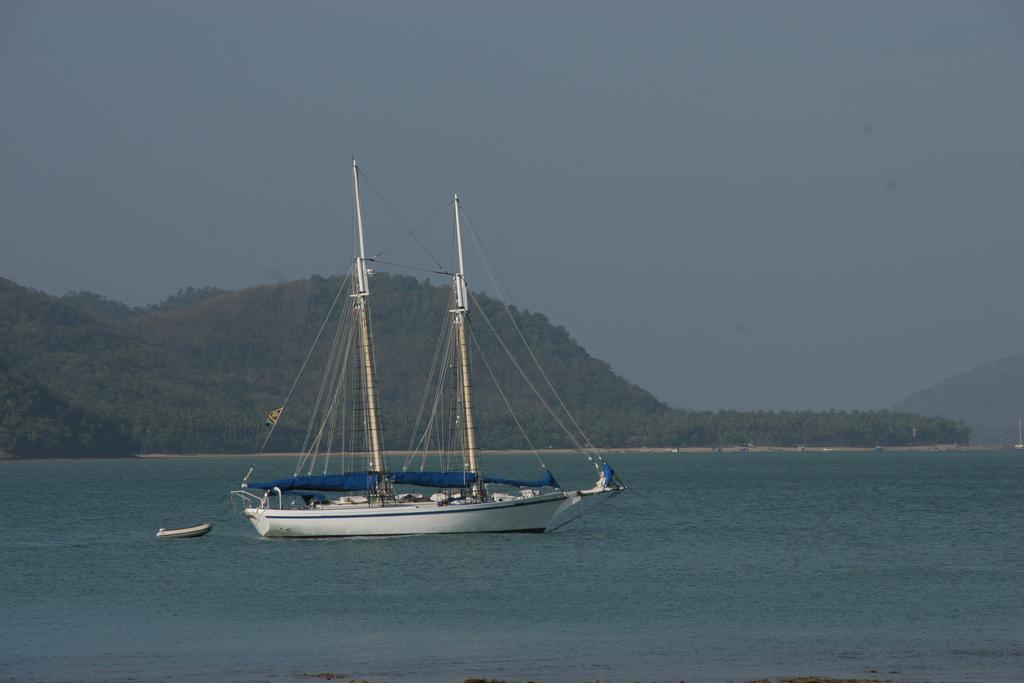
x,y
366,498
1020,434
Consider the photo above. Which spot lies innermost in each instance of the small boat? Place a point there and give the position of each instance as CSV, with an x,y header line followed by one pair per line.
x,y
1020,434
186,532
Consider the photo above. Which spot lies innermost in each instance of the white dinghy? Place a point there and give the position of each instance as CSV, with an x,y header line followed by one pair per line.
x,y
186,532
362,499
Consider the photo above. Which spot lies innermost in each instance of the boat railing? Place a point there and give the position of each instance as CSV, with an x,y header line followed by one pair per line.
x,y
246,499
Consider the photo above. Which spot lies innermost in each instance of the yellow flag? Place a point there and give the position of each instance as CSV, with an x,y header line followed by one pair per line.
x,y
274,414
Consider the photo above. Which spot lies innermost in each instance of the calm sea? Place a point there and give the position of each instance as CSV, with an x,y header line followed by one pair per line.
x,y
899,566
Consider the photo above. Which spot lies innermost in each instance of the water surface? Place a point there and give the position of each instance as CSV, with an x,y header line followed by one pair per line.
x,y
902,566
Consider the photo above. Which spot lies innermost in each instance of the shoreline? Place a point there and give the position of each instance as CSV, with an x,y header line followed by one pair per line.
x,y
646,450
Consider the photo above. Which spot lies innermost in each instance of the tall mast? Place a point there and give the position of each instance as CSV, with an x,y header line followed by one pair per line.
x,y
362,286
459,282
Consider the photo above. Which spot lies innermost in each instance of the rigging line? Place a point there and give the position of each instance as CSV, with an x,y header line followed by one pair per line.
x,y
336,391
480,353
333,415
568,433
495,275
442,412
504,292
342,435
536,362
400,265
414,444
434,385
399,218
334,303
335,372
414,230
579,446
445,357
430,379
445,412
328,412
339,397
503,289
325,384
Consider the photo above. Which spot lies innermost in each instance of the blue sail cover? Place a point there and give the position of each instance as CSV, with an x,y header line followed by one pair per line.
x,y
609,474
547,480
353,481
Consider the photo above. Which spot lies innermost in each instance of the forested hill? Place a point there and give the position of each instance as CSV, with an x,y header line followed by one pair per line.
x,y
199,372
37,422
989,398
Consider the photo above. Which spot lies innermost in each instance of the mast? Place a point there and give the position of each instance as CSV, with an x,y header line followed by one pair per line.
x,y
466,386
362,287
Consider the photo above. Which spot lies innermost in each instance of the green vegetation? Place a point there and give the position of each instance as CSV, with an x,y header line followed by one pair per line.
x,y
200,371
35,422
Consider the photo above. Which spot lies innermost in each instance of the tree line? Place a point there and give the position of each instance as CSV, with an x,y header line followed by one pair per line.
x,y
88,376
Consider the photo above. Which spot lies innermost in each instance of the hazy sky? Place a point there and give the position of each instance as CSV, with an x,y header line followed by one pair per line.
x,y
736,204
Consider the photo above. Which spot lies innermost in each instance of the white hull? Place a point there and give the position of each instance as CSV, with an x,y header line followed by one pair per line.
x,y
520,514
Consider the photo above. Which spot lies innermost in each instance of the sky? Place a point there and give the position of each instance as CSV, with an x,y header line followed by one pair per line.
x,y
750,205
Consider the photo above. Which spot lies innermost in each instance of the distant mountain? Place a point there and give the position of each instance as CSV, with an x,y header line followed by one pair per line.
x,y
989,399
200,371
